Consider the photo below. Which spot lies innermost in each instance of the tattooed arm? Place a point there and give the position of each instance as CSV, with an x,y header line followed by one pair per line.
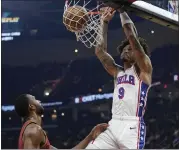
x,y
142,60
101,50
107,61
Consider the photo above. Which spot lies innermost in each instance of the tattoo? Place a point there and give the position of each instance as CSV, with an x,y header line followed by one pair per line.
x,y
108,62
131,34
105,32
136,45
142,60
101,52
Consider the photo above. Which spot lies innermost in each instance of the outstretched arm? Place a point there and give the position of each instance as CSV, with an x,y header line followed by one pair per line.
x,y
141,58
83,144
92,136
101,50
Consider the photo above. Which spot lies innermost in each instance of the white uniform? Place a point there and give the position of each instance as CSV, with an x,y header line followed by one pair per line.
x,y
126,128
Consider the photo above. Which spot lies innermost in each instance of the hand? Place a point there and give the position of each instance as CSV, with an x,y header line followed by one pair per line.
x,y
121,10
97,130
107,13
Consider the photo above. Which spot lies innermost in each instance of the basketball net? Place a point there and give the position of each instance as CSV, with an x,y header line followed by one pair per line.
x,y
91,34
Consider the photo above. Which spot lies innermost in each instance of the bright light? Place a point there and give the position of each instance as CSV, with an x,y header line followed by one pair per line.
x,y
9,38
77,100
152,31
9,118
76,51
54,111
47,93
54,116
42,116
99,90
175,78
62,114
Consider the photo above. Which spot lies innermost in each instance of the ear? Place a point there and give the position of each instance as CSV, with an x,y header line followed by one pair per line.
x,y
31,107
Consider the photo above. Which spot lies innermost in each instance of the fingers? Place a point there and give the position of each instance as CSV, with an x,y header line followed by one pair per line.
x,y
106,10
113,12
98,129
103,126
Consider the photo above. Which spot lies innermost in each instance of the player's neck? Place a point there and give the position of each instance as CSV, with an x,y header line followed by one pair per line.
x,y
127,65
34,117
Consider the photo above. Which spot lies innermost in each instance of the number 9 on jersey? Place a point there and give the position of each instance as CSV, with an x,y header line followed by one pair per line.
x,y
121,93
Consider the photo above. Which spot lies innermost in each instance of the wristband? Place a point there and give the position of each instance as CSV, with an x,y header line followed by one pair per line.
x,y
125,18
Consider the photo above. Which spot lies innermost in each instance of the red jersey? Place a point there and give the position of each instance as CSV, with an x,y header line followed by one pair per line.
x,y
21,142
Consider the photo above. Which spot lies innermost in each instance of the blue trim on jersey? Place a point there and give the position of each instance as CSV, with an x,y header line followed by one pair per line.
x,y
141,119
143,93
142,135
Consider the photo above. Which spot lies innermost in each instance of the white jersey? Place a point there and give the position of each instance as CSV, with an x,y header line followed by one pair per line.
x,y
130,94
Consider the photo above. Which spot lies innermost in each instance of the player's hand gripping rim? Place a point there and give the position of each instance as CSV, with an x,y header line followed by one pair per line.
x,y
107,13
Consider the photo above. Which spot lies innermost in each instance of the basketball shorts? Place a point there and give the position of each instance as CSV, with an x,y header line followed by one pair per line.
x,y
122,133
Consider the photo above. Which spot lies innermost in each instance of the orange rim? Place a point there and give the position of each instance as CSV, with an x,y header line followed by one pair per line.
x,y
93,12
98,12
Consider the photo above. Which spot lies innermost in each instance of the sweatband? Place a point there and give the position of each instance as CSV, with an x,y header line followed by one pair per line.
x,y
125,18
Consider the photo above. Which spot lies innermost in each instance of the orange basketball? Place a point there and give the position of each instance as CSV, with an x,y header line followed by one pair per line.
x,y
75,18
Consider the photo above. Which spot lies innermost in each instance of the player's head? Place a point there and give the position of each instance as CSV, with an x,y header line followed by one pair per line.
x,y
26,104
126,52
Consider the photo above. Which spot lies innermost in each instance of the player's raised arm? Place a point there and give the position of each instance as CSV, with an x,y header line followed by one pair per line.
x,y
142,60
101,50
32,137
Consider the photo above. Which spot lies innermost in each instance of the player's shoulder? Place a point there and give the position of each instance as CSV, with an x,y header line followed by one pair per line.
x,y
119,68
33,130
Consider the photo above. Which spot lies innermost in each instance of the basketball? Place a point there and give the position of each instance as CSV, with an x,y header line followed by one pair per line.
x,y
75,18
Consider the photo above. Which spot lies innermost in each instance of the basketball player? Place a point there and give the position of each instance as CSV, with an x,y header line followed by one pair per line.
x,y
131,84
32,135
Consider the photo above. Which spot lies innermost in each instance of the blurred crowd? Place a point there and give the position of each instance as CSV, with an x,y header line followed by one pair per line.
x,y
80,77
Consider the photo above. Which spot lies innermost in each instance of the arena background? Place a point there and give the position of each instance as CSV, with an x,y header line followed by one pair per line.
x,y
40,57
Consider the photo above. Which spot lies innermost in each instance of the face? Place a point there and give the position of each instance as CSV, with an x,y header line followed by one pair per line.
x,y
127,54
35,105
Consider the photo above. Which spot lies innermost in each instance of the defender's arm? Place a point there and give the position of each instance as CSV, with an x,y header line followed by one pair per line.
x,y
97,130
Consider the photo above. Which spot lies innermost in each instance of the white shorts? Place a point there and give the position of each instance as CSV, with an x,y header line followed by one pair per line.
x,y
122,133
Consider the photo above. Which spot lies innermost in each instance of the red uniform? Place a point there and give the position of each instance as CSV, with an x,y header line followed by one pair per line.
x,y
21,142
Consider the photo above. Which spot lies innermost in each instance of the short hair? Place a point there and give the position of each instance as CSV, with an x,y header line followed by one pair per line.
x,y
141,41
21,105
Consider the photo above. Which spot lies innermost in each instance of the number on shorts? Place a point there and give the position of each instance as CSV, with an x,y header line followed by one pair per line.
x,y
121,93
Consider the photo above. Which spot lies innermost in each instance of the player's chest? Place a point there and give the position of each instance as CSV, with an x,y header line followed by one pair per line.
x,y
126,79
126,83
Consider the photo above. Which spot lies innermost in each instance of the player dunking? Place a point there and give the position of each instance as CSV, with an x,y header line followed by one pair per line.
x,y
32,136
131,84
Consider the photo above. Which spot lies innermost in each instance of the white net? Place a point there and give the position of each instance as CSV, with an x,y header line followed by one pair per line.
x,y
83,18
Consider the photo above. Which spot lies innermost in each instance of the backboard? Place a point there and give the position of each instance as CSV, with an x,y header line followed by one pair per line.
x,y
149,11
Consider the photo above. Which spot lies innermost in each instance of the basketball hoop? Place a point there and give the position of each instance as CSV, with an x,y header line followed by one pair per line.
x,y
91,34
